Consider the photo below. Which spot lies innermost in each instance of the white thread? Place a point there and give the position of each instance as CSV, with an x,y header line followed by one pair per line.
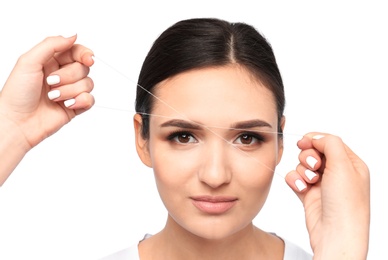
x,y
184,116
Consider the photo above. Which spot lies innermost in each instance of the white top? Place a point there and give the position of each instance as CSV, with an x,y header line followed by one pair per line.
x,y
291,252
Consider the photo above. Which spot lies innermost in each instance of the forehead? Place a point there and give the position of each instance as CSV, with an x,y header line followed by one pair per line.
x,y
215,95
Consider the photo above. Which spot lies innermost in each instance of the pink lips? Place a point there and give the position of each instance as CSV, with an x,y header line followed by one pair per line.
x,y
214,204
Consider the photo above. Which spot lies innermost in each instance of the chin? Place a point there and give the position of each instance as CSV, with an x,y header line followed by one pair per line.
x,y
216,229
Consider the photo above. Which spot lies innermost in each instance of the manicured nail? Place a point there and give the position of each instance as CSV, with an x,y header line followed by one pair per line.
x,y
53,94
316,137
311,161
300,185
69,102
68,35
53,79
310,174
93,59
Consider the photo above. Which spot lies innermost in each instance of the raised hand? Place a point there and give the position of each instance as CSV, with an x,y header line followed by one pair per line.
x,y
48,86
333,184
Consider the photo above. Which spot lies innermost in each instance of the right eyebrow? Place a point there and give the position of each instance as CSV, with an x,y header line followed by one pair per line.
x,y
181,124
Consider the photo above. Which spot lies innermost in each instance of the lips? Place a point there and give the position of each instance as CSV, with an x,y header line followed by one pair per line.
x,y
214,204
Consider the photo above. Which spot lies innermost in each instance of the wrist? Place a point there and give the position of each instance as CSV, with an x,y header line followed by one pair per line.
x,y
14,133
343,246
13,146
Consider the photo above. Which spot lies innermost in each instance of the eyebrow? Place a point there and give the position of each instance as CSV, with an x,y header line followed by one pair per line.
x,y
181,124
196,126
250,124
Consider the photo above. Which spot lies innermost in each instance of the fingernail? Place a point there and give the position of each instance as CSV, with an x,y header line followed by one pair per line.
x,y
53,79
310,174
69,102
68,35
93,59
300,185
316,137
53,94
311,161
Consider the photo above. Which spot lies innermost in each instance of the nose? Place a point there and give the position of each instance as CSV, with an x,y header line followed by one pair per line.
x,y
215,171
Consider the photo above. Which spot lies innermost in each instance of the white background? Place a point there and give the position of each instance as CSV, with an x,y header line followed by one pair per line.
x,y
83,193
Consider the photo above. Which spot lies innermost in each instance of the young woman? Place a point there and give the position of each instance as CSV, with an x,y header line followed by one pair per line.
x,y
209,121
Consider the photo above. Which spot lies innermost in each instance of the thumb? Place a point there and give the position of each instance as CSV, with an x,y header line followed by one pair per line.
x,y
45,50
331,146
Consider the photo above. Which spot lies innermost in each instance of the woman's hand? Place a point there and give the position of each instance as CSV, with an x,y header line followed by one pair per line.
x,y
334,186
48,86
54,66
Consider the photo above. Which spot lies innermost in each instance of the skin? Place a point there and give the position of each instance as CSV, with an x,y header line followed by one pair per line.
x,y
336,201
337,205
25,109
213,161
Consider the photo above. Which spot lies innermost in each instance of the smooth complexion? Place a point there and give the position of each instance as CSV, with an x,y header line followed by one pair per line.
x,y
213,162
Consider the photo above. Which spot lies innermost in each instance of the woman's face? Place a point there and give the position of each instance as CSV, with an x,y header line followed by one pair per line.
x,y
213,147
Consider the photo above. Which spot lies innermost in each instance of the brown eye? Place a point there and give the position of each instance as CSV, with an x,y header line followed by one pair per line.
x,y
246,139
249,139
182,138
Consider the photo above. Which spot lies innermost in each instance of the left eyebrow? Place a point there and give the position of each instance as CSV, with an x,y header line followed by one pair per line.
x,y
181,124
250,124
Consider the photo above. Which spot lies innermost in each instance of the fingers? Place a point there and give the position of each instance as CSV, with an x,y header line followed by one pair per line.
x,y
74,96
332,146
81,103
68,74
71,86
77,53
62,49
306,173
45,50
297,183
335,151
312,161
323,153
68,91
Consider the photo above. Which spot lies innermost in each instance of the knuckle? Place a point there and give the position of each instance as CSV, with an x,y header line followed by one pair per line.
x,y
90,102
23,59
48,39
87,100
89,83
335,140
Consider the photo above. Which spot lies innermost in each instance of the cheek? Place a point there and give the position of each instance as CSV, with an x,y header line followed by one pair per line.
x,y
253,173
258,164
171,165
174,172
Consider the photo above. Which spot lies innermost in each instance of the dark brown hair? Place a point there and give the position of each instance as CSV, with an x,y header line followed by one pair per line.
x,y
207,42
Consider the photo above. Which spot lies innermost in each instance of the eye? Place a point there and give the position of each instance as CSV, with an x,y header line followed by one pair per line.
x,y
249,139
182,138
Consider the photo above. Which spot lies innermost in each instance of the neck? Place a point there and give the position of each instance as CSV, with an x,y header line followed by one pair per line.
x,y
178,243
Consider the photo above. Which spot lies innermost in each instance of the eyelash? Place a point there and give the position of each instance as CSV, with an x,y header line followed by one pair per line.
x,y
176,134
258,139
